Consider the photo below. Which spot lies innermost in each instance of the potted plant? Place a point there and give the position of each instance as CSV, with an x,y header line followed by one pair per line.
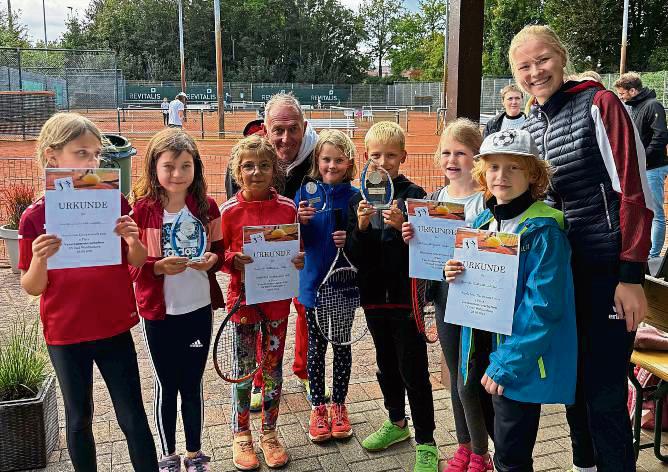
x,y
28,407
14,199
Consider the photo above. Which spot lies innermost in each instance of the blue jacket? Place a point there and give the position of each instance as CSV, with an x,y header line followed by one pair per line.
x,y
318,243
538,362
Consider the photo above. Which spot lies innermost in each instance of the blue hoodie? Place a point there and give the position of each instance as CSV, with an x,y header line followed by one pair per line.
x,y
318,242
538,362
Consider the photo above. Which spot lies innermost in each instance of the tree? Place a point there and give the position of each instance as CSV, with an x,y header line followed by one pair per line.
x,y
433,15
380,17
12,34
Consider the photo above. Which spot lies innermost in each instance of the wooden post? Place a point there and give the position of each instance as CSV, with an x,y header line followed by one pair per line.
x,y
219,71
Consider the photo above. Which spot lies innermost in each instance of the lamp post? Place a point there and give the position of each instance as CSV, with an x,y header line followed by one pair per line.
x,y
46,44
219,70
181,50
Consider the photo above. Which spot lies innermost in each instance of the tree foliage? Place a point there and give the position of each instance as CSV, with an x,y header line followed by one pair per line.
x,y
380,22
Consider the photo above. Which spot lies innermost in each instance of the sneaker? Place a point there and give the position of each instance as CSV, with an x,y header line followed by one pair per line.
x,y
274,452
197,464
340,423
480,464
170,464
256,399
318,429
387,435
243,453
426,458
460,461
307,387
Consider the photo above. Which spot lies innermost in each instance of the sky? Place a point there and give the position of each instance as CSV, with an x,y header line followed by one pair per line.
x,y
57,12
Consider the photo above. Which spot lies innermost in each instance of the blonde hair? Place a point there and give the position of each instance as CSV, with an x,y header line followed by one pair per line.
x,y
340,141
59,130
509,88
590,75
176,141
384,132
463,131
535,169
284,99
545,34
256,146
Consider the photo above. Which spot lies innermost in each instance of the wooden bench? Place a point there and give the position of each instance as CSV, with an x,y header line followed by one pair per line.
x,y
346,124
656,362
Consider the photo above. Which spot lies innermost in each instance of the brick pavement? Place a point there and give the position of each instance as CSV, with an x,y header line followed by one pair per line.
x,y
552,450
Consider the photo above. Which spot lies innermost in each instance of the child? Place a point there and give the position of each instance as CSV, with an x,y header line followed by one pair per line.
x,y
254,165
164,106
376,248
537,363
334,165
87,312
459,142
176,296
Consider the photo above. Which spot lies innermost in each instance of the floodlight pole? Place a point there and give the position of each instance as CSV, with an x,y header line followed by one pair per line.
x,y
9,15
445,54
46,44
219,70
625,27
183,59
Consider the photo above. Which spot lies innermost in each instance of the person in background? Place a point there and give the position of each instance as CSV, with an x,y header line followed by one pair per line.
x,y
177,112
512,115
649,117
164,106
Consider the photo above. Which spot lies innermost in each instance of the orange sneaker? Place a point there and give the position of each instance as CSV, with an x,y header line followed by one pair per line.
x,y
243,453
274,452
340,423
318,428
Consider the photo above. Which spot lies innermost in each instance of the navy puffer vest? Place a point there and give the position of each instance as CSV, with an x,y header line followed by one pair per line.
x,y
581,187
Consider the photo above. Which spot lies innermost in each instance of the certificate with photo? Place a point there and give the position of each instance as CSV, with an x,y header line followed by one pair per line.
x,y
434,227
82,207
271,276
483,295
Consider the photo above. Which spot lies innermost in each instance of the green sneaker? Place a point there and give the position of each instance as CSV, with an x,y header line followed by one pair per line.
x,y
426,458
387,435
256,399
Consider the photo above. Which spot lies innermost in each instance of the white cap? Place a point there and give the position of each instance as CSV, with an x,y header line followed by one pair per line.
x,y
517,142
181,94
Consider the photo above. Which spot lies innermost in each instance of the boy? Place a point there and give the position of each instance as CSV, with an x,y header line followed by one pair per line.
x,y
378,251
538,363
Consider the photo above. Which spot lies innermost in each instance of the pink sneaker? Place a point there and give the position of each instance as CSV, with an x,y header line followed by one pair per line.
x,y
480,464
460,461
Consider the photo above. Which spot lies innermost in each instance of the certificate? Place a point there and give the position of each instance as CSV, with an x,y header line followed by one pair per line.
x,y
271,276
82,207
434,227
483,295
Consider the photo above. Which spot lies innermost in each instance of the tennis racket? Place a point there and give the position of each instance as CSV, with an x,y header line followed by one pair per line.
x,y
424,310
239,348
338,312
376,185
313,192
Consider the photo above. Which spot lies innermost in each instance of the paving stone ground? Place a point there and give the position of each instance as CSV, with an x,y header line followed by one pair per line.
x,y
552,450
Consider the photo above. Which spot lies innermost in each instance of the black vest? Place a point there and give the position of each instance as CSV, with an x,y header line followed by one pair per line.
x,y
581,187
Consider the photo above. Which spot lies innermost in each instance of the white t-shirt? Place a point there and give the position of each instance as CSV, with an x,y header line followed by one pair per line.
x,y
175,106
474,204
513,123
189,290
507,226
165,107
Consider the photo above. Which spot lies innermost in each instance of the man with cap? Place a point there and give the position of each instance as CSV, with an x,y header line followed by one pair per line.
x,y
294,141
177,111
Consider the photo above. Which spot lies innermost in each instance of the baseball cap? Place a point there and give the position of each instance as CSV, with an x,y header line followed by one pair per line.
x,y
253,127
516,142
181,94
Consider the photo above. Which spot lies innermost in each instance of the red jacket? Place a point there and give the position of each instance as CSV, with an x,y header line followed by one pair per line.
x,y
149,288
237,213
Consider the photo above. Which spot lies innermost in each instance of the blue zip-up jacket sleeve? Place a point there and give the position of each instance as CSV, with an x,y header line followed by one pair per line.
x,y
539,311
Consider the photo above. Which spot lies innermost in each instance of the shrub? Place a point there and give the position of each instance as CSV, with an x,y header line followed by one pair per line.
x,y
14,199
23,361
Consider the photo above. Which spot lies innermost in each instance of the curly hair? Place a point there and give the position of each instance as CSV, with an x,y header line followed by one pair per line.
x,y
257,146
148,186
538,171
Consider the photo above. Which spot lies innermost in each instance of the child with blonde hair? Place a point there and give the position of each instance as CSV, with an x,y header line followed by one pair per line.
x,y
87,312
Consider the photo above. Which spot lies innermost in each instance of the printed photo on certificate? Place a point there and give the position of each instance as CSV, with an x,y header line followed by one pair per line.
x,y
271,276
82,207
483,295
434,227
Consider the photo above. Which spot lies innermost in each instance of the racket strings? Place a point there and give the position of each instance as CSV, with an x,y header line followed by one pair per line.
x,y
338,312
424,310
237,353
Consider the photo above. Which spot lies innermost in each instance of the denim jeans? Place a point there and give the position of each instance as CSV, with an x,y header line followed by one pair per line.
x,y
656,179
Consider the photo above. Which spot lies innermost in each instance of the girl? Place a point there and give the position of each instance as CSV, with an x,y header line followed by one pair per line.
x,y
175,295
459,142
79,330
254,166
334,165
599,183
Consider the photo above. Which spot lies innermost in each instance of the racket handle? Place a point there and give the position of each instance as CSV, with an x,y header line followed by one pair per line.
x,y
339,224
